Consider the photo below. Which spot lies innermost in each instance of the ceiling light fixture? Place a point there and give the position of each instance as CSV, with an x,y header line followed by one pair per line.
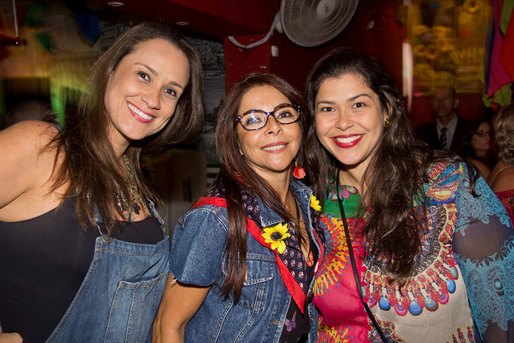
x,y
182,23
115,3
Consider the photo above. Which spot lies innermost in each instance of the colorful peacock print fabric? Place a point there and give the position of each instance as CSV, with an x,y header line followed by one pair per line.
x,y
462,285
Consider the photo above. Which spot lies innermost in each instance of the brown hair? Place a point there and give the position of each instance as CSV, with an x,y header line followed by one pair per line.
x,y
234,168
90,163
503,125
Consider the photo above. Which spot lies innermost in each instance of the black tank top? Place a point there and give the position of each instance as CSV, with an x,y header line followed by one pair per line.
x,y
43,262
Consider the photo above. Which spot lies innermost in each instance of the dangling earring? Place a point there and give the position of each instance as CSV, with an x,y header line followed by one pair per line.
x,y
298,172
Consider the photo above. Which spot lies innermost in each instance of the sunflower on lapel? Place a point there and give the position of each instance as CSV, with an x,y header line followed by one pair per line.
x,y
275,236
315,203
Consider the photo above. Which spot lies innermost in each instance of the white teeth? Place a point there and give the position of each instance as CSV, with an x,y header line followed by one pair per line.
x,y
139,112
273,148
347,139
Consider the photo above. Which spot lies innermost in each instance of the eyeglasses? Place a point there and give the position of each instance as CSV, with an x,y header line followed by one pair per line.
x,y
256,119
482,134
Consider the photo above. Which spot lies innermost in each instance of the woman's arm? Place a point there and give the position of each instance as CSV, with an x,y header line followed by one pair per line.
x,y
178,305
483,242
197,248
10,338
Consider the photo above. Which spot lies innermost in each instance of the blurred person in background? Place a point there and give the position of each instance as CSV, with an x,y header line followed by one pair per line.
x,y
502,175
478,148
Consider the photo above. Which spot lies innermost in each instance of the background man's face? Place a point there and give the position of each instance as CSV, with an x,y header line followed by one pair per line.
x,y
443,102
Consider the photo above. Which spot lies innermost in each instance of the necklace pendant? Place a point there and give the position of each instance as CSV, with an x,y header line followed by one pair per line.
x,y
310,259
136,208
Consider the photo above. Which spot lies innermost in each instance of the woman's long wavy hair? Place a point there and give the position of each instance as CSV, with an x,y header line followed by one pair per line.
x,y
503,126
236,175
396,172
90,164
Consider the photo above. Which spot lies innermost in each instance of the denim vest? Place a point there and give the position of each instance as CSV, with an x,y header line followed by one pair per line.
x,y
120,294
197,258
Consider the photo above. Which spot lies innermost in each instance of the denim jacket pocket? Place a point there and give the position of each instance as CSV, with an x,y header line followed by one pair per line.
x,y
259,273
133,309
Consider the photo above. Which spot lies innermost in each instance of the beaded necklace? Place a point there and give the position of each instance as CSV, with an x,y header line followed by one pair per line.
x,y
135,194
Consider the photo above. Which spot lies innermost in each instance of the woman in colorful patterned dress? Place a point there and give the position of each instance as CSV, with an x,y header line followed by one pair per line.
x,y
244,257
430,243
502,176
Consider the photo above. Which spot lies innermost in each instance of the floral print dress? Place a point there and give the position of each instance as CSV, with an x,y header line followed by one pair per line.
x,y
462,286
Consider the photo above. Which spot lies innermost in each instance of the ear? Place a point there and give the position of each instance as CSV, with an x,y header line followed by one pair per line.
x,y
456,103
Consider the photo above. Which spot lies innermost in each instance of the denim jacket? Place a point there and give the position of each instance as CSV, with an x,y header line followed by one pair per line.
x,y
197,258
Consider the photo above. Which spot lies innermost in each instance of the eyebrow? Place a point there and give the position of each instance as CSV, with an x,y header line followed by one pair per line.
x,y
330,102
155,72
284,104
358,96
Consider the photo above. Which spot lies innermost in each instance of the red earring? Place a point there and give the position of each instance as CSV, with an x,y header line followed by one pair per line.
x,y
298,172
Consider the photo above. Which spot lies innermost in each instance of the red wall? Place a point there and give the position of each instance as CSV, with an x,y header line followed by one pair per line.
x,y
384,42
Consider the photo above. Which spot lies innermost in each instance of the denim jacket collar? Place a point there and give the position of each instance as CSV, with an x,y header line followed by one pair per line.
x,y
269,218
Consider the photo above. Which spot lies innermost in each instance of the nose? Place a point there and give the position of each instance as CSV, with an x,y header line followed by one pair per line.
x,y
152,99
344,122
272,126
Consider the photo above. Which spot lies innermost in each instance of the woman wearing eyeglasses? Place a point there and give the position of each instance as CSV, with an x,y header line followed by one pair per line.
x,y
477,148
243,258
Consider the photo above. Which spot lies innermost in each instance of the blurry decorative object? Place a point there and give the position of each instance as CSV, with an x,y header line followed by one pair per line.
x,y
45,41
507,53
33,14
68,77
87,23
407,73
88,27
7,39
311,23
447,39
500,56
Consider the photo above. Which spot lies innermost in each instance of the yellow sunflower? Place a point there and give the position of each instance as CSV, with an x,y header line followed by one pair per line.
x,y
315,203
276,235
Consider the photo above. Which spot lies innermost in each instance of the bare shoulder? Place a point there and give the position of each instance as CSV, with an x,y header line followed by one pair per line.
x,y
504,180
28,133
26,144
27,161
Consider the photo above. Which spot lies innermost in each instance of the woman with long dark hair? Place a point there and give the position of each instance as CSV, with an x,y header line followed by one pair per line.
x,y
243,258
418,248
83,253
478,147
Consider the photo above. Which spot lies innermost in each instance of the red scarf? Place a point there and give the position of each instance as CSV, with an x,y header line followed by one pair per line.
x,y
292,287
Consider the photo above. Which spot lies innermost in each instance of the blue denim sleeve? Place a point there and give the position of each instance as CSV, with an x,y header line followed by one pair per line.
x,y
197,246
483,246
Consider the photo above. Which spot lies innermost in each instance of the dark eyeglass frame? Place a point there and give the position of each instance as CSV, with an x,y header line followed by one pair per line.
x,y
482,134
240,117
